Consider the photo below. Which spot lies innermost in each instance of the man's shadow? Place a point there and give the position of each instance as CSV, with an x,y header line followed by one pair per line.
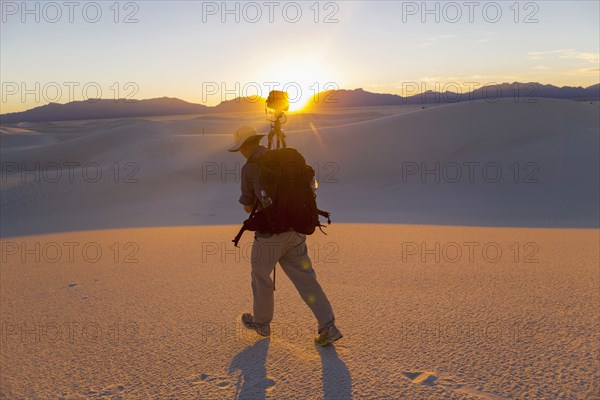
x,y
337,382
251,362
253,382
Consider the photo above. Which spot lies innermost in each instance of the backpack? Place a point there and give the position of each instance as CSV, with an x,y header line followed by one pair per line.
x,y
290,201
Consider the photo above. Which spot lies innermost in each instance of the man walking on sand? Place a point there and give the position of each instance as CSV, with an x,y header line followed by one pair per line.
x,y
287,248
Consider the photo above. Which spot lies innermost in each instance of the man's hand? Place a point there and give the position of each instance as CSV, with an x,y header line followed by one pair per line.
x,y
248,209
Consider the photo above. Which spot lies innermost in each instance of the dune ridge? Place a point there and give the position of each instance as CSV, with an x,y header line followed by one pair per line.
x,y
373,170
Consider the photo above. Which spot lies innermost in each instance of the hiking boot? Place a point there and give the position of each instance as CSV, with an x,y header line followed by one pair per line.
x,y
327,335
261,329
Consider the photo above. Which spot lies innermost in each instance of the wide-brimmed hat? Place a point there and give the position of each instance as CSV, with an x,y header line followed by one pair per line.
x,y
241,135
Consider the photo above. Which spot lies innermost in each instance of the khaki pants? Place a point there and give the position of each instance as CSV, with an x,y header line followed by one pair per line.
x,y
289,249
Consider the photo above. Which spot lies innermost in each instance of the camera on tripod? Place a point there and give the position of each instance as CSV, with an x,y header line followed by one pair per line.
x,y
275,106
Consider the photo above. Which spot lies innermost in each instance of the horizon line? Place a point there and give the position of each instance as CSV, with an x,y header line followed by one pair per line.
x,y
238,99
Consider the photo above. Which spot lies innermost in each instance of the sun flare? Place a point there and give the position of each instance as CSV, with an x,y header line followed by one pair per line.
x,y
301,79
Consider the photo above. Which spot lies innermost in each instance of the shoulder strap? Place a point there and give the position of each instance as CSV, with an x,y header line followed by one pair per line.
x,y
255,157
254,209
243,228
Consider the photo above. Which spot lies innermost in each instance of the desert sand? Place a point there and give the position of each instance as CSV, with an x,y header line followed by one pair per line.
x,y
160,319
119,278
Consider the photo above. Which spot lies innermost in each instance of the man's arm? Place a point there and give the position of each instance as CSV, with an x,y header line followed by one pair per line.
x,y
247,198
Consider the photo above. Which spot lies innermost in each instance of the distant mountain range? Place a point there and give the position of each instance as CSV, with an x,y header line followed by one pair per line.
x,y
104,108
107,108
520,91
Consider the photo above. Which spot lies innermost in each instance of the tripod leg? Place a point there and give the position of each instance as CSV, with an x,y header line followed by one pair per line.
x,y
270,139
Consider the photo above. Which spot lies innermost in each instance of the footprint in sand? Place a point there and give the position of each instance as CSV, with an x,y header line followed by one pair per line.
x,y
433,380
269,384
112,390
218,381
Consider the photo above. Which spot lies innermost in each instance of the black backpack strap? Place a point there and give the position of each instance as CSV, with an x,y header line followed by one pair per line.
x,y
243,228
325,214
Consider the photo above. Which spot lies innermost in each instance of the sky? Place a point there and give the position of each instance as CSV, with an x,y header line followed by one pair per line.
x,y
208,52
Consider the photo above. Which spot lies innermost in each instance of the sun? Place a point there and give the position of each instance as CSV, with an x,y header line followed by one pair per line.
x,y
299,104
301,79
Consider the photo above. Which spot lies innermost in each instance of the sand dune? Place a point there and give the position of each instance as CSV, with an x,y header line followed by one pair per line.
x,y
19,137
491,164
9,130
